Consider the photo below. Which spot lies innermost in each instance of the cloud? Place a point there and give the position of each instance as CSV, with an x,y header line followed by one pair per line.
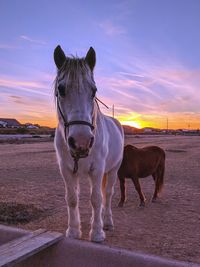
x,y
9,46
110,29
18,100
181,88
165,85
155,89
34,41
26,86
129,94
27,108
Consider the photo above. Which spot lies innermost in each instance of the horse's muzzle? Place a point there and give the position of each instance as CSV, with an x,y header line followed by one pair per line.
x,y
79,153
80,147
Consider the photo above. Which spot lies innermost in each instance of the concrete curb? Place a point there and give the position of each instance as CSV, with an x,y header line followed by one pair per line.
x,y
86,254
78,253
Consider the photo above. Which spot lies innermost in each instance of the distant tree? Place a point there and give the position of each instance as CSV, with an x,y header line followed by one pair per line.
x,y
22,131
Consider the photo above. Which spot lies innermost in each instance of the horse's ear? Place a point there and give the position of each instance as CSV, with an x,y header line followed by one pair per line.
x,y
91,58
59,57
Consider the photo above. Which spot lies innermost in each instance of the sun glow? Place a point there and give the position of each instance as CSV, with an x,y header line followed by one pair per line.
x,y
132,119
132,124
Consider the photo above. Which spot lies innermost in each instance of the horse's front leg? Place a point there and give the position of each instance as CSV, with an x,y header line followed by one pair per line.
x,y
96,234
109,190
72,191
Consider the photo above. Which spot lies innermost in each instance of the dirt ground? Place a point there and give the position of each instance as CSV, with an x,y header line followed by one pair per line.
x,y
29,175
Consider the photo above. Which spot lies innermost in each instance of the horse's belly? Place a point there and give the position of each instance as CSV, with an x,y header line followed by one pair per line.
x,y
144,172
143,175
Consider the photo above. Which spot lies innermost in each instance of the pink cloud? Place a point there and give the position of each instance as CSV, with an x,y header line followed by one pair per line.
x,y
28,86
110,29
31,40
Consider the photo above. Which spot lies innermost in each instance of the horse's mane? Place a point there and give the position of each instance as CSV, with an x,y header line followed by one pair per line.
x,y
74,68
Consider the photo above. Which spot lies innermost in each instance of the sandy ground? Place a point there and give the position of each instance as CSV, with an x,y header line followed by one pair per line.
x,y
169,228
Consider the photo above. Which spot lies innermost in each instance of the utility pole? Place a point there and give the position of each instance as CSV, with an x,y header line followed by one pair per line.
x,y
113,110
167,124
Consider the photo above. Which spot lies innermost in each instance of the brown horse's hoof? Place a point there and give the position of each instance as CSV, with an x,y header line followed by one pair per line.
x,y
142,204
154,199
120,204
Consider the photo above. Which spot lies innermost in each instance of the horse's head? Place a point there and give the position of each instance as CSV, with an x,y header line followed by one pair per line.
x,y
75,93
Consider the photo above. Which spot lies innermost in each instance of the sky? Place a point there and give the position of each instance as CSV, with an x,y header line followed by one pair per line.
x,y
148,58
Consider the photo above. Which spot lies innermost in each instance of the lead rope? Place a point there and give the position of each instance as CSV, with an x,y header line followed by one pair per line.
x,y
98,100
76,159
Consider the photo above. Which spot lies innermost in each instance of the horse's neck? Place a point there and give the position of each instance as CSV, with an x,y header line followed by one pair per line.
x,y
99,116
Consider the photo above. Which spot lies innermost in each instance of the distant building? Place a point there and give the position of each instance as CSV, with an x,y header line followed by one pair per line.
x,y
32,127
3,124
29,125
11,123
148,130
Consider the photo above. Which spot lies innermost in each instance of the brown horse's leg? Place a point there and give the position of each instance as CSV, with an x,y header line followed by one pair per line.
x,y
123,192
156,177
139,190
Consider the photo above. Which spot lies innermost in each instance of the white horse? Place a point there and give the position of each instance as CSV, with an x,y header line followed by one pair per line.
x,y
88,143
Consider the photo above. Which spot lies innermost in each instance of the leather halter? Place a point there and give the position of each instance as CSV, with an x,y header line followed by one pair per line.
x,y
75,122
66,125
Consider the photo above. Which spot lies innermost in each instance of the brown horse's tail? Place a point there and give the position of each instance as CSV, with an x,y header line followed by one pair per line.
x,y
161,173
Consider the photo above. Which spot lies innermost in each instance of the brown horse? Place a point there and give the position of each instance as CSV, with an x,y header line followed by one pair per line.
x,y
139,163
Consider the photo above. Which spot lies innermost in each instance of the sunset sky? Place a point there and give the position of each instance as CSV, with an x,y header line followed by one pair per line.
x,y
148,57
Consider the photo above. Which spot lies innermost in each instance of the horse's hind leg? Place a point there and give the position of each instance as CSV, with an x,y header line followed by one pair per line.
x,y
109,190
139,190
155,177
123,191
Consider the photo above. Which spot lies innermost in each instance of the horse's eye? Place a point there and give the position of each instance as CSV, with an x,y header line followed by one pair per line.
x,y
94,92
61,89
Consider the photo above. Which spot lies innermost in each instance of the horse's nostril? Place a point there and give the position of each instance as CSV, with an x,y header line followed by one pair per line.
x,y
71,142
91,142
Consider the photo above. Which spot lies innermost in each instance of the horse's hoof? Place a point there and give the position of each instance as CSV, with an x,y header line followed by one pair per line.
x,y
153,200
73,233
142,204
97,237
120,204
108,227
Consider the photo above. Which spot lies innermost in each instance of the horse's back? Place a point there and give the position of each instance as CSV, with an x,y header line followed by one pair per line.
x,y
154,150
115,136
110,121
147,151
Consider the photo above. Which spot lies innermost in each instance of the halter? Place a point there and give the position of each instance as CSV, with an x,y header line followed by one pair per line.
x,y
69,123
76,122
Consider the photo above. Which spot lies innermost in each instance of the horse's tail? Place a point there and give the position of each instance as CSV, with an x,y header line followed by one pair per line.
x,y
161,173
103,185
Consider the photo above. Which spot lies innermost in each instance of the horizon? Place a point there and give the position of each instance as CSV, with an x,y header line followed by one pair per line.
x,y
148,59
129,125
